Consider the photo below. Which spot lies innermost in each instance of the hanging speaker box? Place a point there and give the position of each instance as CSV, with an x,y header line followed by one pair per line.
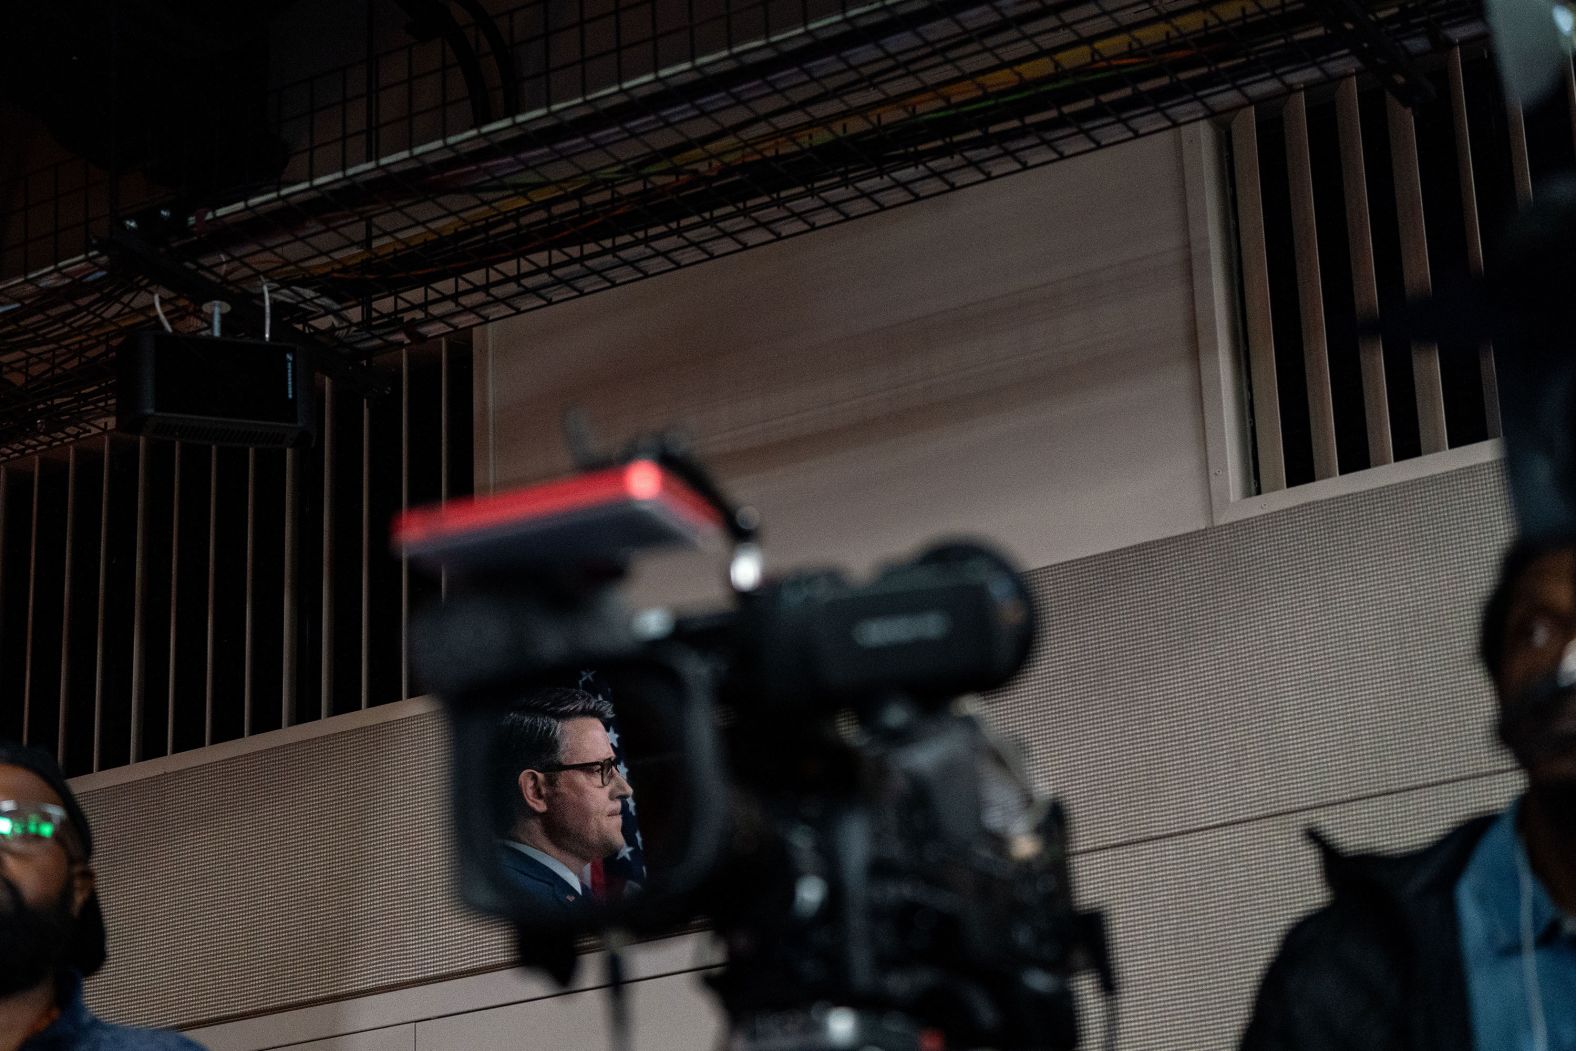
x,y
214,391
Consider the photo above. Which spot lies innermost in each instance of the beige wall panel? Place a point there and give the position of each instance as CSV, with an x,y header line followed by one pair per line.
x,y
674,1012
1197,917
644,963
1289,660
1202,682
300,873
1018,358
397,1038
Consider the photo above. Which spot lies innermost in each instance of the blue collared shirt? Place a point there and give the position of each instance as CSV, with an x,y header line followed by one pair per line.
x,y
79,1030
1488,906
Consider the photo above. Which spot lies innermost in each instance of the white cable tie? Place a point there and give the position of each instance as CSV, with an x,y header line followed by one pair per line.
x,y
159,310
268,315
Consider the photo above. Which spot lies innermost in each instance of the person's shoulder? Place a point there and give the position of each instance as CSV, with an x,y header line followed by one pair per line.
x,y
1332,982
167,1040
1374,900
1341,970
1432,868
1349,934
535,879
105,1036
522,864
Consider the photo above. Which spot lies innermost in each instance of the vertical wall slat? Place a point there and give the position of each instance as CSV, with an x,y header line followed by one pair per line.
x,y
1520,163
98,638
404,504
366,533
136,602
213,523
175,591
326,659
1415,273
251,550
32,591
65,606
287,688
1256,294
5,479
1310,293
443,449
1570,96
1365,285
1474,236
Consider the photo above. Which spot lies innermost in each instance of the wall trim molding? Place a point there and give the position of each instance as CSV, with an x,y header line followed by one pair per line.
x,y
334,724
1410,470
427,1001
1227,436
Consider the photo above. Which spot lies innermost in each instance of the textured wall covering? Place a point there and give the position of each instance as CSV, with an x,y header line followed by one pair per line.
x,y
1018,358
1200,700
300,873
1197,700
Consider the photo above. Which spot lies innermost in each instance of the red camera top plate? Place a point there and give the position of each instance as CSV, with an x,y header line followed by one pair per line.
x,y
602,515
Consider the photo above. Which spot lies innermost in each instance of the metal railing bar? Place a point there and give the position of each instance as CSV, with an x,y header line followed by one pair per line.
x,y
136,602
32,591
1473,231
5,487
366,533
175,580
1310,293
326,661
443,447
213,536
404,503
98,645
1256,294
1365,286
287,627
251,551
1415,273
65,607
1520,163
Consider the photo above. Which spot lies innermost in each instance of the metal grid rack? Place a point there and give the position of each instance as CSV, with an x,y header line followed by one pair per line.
x,y
640,136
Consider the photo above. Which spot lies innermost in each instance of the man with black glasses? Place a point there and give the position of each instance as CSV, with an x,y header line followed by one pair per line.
x,y
567,794
51,929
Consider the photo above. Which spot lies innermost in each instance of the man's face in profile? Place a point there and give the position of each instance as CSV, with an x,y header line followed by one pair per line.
x,y
583,814
1540,726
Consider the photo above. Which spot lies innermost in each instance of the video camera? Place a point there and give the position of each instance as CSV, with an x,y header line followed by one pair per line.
x,y
809,784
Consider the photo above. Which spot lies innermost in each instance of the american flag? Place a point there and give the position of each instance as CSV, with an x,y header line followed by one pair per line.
x,y
624,872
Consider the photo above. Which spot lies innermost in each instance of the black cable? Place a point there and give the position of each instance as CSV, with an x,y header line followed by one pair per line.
x,y
429,19
502,53
618,996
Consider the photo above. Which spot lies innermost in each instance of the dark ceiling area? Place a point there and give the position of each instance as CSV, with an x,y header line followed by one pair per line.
x,y
172,91
441,165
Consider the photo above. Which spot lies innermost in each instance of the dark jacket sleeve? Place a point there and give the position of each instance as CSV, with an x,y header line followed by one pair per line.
x,y
1334,985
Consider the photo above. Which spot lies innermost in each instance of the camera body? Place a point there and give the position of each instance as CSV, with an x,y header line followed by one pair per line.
x,y
874,859
910,881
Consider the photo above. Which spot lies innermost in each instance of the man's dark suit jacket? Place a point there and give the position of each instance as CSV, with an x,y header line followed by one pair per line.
x,y
546,889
